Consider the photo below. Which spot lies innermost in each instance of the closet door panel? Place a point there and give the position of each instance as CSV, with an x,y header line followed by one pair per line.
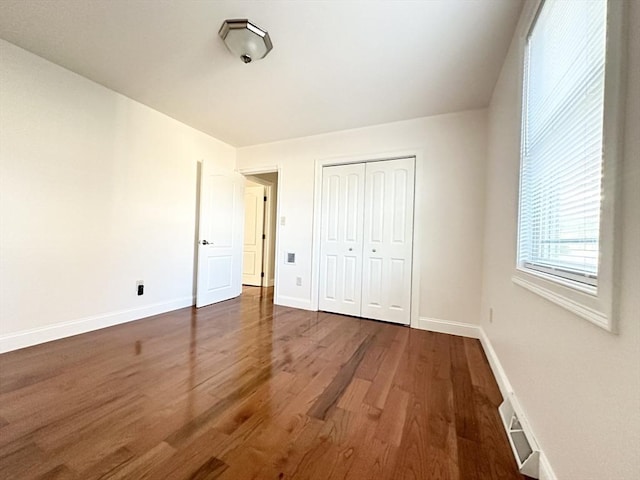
x,y
330,276
342,221
388,245
374,285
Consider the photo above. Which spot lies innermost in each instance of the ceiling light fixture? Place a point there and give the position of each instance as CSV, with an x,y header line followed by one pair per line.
x,y
245,39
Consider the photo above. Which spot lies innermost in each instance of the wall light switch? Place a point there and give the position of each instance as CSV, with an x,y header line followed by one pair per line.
x,y
283,221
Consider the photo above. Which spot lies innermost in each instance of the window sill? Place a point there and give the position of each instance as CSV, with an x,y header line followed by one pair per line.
x,y
582,302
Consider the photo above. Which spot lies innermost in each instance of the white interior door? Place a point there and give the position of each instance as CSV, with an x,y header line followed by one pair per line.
x,y
220,236
388,240
341,239
252,264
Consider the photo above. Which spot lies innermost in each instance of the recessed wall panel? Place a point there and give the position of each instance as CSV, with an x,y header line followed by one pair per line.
x,y
220,272
374,282
350,277
352,208
333,204
399,212
397,283
251,220
223,196
331,273
376,204
249,263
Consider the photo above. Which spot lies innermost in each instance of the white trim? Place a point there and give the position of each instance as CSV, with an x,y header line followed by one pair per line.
x,y
590,290
446,326
576,307
545,470
295,302
601,310
270,263
417,213
35,336
259,170
496,367
267,262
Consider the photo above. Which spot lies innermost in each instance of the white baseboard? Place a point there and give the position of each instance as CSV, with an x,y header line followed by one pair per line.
x,y
445,326
545,470
294,302
34,336
496,367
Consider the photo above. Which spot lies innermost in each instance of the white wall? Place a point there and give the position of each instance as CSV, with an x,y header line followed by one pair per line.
x,y
450,184
97,191
578,384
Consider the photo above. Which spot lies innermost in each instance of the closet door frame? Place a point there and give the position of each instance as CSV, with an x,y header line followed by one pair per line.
x,y
417,213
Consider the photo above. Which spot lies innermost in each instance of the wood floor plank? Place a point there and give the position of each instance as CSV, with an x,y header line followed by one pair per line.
x,y
108,464
376,460
391,425
247,390
61,472
353,397
463,394
381,385
481,377
334,390
196,456
303,432
142,466
209,470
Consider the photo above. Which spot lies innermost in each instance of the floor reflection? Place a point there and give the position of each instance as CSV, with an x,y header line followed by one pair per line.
x,y
246,359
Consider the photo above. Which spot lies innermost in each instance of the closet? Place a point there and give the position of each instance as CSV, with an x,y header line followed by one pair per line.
x,y
366,246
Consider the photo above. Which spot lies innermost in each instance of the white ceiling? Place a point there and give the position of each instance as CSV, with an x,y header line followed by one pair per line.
x,y
334,65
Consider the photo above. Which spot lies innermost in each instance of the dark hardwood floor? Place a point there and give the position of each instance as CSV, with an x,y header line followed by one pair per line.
x,y
245,390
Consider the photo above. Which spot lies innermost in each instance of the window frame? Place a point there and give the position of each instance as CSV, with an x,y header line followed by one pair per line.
x,y
595,303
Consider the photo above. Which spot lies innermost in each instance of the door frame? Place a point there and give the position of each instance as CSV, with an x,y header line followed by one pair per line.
x,y
269,220
248,172
418,198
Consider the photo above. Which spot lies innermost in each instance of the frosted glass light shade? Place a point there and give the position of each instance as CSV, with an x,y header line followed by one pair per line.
x,y
245,40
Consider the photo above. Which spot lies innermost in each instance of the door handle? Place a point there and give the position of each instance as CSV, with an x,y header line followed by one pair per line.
x,y
204,242
350,249
373,250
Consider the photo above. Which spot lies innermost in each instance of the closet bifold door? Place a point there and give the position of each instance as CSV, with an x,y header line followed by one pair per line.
x,y
388,240
342,221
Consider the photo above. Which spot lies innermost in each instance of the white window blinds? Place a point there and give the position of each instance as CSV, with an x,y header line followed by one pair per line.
x,y
561,168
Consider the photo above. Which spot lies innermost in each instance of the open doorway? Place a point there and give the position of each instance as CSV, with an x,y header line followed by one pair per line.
x,y
259,254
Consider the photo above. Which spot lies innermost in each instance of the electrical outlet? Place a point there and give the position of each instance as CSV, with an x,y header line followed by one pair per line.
x,y
299,281
491,315
140,287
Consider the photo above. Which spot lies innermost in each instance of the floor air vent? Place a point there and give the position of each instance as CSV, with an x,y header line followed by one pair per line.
x,y
522,442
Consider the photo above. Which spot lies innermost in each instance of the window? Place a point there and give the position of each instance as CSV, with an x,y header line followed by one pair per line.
x,y
569,116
